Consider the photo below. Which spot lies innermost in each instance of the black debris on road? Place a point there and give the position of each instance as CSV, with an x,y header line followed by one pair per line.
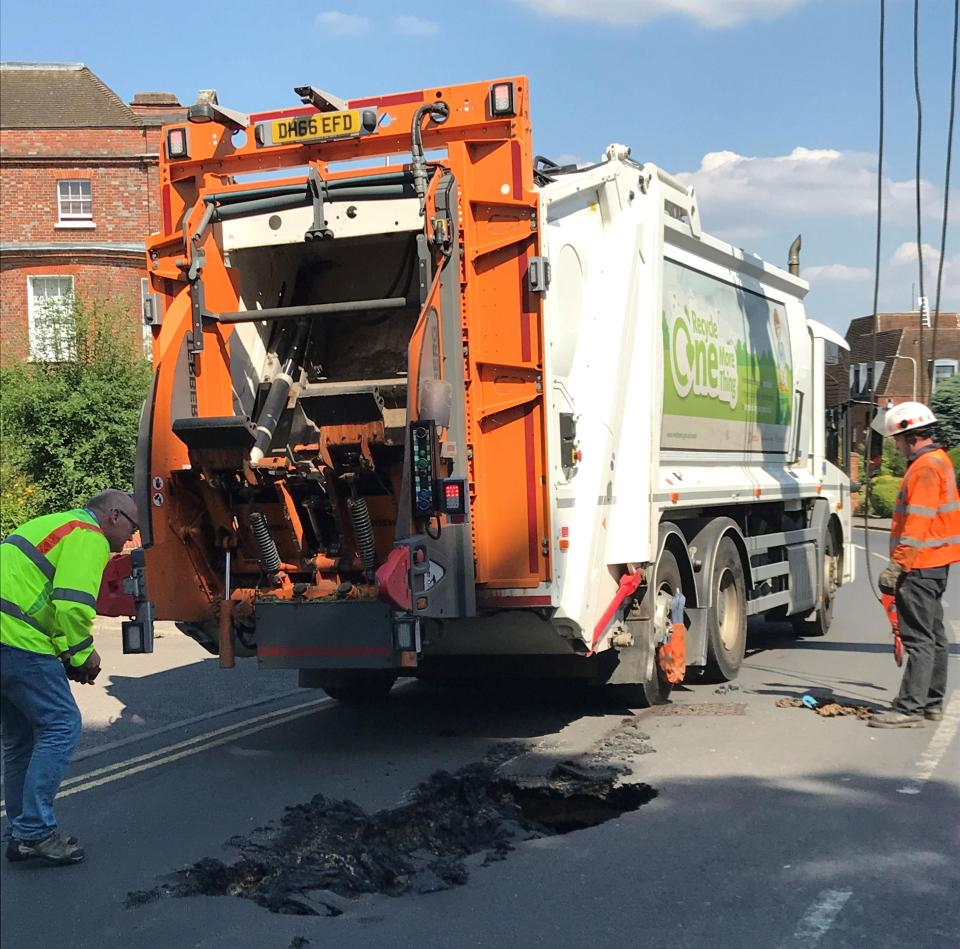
x,y
328,849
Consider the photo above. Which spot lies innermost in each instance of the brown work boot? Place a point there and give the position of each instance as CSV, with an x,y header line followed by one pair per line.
x,y
13,849
54,849
895,719
933,714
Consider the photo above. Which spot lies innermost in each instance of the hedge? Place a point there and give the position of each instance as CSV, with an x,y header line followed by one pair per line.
x,y
883,495
68,428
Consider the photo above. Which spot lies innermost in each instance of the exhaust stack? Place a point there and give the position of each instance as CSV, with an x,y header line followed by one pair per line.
x,y
793,260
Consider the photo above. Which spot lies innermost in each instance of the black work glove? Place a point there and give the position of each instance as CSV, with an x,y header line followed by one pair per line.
x,y
890,577
85,674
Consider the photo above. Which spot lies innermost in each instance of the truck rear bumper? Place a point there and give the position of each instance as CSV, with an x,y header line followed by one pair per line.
x,y
352,634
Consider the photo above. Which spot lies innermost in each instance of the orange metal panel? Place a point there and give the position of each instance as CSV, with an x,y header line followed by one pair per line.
x,y
491,160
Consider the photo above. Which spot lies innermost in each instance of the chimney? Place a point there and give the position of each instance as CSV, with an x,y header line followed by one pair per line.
x,y
158,108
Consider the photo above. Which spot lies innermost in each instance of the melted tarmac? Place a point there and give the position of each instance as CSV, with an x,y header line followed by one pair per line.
x,y
327,849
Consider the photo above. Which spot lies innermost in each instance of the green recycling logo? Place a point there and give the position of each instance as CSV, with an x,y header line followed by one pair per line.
x,y
700,362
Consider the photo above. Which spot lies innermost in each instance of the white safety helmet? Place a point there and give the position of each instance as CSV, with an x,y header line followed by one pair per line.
x,y
904,417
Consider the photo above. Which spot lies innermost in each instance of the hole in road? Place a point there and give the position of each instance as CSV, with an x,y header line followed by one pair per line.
x,y
326,851
564,813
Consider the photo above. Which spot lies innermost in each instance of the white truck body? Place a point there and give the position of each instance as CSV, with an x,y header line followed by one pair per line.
x,y
621,239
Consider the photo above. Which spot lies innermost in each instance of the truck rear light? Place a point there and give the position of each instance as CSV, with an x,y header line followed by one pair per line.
x,y
454,497
177,143
406,634
501,99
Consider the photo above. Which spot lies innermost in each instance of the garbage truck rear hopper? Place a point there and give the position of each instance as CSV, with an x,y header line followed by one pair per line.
x,y
468,412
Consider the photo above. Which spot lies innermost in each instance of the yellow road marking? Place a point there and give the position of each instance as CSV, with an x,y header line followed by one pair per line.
x,y
183,749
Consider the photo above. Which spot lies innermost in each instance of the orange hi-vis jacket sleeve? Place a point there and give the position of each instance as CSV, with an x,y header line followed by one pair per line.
x,y
926,520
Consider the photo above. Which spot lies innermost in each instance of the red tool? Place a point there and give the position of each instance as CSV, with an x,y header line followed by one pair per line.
x,y
890,608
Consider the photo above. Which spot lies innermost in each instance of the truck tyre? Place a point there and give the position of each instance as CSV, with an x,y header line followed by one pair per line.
x,y
727,620
361,687
656,689
819,625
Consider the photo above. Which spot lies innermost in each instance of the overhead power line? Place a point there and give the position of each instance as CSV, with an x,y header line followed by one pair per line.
x,y
865,475
946,184
924,374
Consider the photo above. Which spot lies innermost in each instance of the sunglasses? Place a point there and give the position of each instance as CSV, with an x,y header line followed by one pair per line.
x,y
133,523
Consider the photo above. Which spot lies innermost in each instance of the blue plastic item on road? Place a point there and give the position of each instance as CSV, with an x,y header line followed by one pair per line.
x,y
809,701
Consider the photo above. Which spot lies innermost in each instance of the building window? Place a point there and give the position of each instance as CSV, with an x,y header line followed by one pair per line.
x,y
74,203
50,318
943,369
865,377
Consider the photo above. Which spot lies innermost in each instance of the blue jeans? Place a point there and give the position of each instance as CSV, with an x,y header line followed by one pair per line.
x,y
41,726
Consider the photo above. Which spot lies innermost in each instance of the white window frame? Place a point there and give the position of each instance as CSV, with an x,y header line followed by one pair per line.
x,y
79,206
37,351
951,364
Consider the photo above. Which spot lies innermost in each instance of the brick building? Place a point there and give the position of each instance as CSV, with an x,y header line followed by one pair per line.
x,y
897,375
78,194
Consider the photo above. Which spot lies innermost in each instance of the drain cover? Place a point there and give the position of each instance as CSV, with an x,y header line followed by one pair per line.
x,y
704,708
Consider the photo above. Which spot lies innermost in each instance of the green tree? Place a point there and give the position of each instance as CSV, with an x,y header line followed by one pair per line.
x,y
68,422
945,403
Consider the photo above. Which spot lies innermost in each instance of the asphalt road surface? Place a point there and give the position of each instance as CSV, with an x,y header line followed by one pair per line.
x,y
772,827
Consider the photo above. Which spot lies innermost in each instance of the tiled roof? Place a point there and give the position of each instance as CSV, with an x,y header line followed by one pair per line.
x,y
59,95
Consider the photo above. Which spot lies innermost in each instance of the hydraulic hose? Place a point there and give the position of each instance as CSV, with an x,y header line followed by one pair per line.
x,y
266,546
276,399
363,531
439,112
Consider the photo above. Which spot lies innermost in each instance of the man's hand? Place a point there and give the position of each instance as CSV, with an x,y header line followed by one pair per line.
x,y
86,673
889,577
90,669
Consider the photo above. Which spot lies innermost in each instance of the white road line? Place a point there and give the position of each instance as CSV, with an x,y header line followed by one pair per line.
x,y
872,554
191,746
939,743
817,920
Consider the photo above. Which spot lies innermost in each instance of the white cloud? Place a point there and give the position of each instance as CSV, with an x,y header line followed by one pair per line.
x,y
713,14
414,26
906,253
836,273
344,24
903,269
808,183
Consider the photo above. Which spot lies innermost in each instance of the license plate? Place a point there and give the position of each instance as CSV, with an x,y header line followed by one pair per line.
x,y
313,128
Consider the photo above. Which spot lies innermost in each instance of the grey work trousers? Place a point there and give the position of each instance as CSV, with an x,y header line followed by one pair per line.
x,y
920,612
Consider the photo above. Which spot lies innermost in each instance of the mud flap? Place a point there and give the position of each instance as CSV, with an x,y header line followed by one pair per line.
x,y
346,634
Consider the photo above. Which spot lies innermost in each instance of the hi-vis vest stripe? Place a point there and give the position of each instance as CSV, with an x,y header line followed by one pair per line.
x,y
926,519
50,573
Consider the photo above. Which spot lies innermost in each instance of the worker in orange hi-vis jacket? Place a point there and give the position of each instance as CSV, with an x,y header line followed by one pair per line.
x,y
924,541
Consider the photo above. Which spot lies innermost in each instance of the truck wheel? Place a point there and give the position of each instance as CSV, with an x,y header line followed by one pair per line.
x,y
656,689
351,688
727,621
820,624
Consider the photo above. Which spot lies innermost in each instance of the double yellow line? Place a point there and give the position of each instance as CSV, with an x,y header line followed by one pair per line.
x,y
183,749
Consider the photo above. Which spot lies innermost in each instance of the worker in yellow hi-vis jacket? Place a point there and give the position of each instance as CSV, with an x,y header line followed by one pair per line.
x,y
50,574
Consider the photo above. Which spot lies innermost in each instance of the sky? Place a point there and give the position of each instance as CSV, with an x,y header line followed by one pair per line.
x,y
769,108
